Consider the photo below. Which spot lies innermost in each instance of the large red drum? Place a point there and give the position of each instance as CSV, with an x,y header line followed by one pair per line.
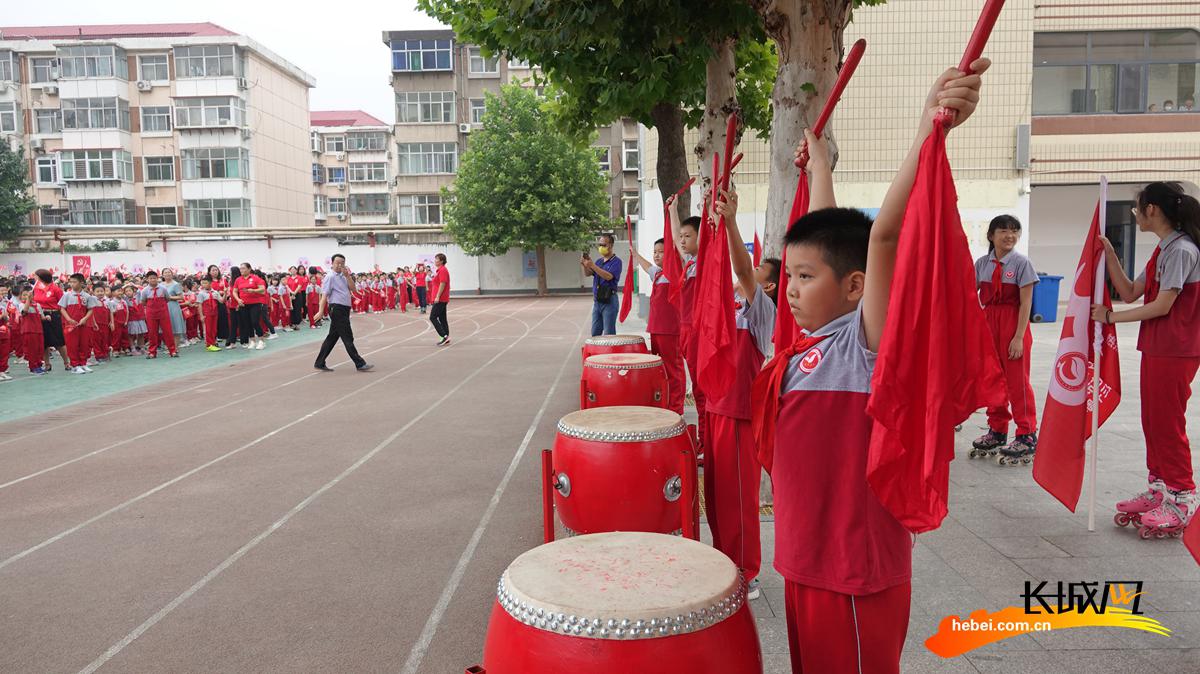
x,y
618,469
621,602
623,379
614,344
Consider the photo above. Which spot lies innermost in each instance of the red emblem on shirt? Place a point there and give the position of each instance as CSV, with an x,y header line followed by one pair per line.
x,y
811,360
1009,274
1071,371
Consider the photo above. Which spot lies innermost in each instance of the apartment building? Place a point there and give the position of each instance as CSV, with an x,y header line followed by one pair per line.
x,y
440,85
352,168
1077,90
157,124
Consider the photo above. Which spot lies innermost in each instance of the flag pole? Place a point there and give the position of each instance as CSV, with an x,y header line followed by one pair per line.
x,y
1097,348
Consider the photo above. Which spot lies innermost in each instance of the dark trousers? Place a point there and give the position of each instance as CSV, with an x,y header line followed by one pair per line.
x,y
298,304
250,322
231,325
421,300
437,316
222,329
339,328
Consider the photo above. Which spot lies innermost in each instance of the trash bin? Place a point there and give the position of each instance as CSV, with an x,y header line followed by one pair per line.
x,y
1045,299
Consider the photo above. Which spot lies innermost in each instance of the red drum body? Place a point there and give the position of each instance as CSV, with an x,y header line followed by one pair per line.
x,y
614,344
618,469
611,379
621,602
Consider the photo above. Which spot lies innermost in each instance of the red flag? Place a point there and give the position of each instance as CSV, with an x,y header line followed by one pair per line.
x,y
785,323
1067,416
936,361
1191,540
627,293
672,263
713,315
757,249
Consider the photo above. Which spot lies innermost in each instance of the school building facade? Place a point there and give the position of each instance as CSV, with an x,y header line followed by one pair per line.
x,y
1068,99
156,124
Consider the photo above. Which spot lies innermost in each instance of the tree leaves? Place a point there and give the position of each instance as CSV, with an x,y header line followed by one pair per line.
x,y
15,199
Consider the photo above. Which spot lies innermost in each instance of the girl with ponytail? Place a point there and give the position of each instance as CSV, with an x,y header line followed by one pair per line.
x,y
1170,344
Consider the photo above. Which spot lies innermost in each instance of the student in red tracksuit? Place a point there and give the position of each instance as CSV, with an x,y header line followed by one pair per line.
x,y
118,308
6,332
663,326
312,296
1005,280
32,319
846,561
191,312
731,468
158,318
687,238
102,324
210,303
285,307
77,308
1169,340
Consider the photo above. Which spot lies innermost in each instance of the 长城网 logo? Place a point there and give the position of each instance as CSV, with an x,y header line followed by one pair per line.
x,y
1048,606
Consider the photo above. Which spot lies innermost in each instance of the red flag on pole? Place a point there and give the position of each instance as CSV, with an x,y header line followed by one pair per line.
x,y
757,249
1067,417
713,315
936,361
627,292
672,262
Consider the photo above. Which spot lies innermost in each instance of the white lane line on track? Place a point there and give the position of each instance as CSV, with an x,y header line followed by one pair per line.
x,y
198,415
146,494
275,526
419,649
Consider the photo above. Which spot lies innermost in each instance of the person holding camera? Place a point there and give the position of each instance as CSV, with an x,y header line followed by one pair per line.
x,y
606,274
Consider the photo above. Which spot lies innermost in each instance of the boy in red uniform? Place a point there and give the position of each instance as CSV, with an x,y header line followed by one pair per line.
x,y
32,317
210,303
312,297
158,319
846,561
77,308
6,333
102,324
118,308
663,326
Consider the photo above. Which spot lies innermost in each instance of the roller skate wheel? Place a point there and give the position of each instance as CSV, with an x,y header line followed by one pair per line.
x,y
1145,533
1176,534
1026,460
1121,519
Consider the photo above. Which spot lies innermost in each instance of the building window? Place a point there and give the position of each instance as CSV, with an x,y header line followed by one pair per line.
x,y
43,69
337,205
156,118
9,70
53,216
207,112
95,113
629,156
47,121
10,113
372,204
318,174
478,106
419,209
160,169
101,211
335,143
93,61
630,204
97,165
320,204
153,68
604,157
47,170
216,163
425,107
1115,72
216,213
314,140
420,55
372,141
206,61
162,215
427,158
480,64
373,172
337,174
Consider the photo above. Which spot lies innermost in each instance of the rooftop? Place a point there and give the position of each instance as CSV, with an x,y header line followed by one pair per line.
x,y
343,118
432,34
113,31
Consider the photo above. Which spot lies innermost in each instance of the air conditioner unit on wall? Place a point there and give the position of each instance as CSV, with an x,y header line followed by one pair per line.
x,y
339,156
35,144
144,85
341,216
50,90
243,84
246,134
342,186
464,128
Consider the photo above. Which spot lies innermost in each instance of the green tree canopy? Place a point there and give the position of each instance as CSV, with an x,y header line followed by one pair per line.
x,y
523,183
15,199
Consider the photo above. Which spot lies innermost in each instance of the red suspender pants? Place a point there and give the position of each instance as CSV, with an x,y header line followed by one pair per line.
x,y
1166,387
1002,320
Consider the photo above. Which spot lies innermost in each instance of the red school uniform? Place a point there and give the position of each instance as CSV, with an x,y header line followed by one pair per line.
x,y
687,301
76,305
1170,347
6,335
101,333
209,305
31,334
846,561
999,283
13,315
119,339
312,297
158,318
663,326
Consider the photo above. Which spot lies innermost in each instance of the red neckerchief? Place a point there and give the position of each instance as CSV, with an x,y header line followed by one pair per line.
x,y
1152,276
765,397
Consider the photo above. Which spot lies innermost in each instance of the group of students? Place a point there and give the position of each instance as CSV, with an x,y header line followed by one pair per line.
x,y
845,559
376,292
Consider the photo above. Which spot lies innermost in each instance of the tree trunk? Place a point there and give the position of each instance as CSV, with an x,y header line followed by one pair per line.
x,y
808,39
541,263
720,101
672,165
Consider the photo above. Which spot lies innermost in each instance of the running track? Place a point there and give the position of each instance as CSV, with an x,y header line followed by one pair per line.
x,y
279,519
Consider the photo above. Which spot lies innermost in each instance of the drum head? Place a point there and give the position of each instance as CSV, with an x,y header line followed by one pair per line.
x,y
622,586
623,361
615,340
622,424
